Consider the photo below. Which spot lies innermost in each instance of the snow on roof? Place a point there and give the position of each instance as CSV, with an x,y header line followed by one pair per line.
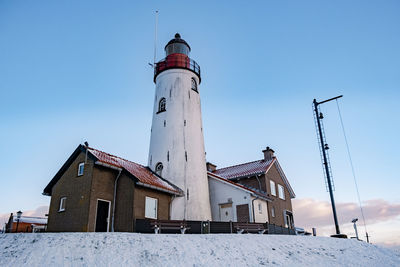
x,y
260,194
253,168
245,169
33,220
142,173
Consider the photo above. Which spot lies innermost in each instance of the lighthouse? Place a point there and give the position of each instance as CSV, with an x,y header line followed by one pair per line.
x,y
177,144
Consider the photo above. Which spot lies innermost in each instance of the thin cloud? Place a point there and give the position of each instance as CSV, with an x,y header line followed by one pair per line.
x,y
314,213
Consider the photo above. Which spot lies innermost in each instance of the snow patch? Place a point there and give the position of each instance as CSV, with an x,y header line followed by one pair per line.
x,y
132,249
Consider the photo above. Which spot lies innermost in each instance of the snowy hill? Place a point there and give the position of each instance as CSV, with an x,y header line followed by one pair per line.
x,y
131,249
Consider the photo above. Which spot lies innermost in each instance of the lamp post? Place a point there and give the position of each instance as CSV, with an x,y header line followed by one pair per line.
x,y
19,213
355,226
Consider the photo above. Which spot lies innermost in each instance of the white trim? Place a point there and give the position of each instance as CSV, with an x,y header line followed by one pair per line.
x,y
222,180
79,168
108,216
285,180
108,165
62,200
159,189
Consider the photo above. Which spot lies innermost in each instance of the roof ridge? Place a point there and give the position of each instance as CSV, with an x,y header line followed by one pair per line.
x,y
240,164
116,156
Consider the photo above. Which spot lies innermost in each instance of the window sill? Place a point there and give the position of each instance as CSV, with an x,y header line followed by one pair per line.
x,y
158,112
61,210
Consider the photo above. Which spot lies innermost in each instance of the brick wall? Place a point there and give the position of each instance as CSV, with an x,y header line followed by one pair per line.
x,y
77,190
277,203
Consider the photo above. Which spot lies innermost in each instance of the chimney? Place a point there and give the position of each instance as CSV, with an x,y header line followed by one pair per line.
x,y
211,167
268,153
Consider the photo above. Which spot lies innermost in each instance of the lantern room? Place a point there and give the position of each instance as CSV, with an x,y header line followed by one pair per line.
x,y
177,56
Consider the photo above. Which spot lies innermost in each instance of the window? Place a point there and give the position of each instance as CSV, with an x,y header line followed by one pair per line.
x,y
161,105
273,189
259,208
159,168
194,85
281,192
273,212
81,168
151,208
63,200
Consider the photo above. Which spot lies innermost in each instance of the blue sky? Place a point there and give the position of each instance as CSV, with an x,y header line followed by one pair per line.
x,y
73,71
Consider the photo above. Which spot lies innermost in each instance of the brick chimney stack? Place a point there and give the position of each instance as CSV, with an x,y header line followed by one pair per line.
x,y
268,153
211,167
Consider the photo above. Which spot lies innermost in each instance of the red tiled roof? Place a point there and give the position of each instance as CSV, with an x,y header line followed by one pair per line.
x,y
142,173
245,169
261,194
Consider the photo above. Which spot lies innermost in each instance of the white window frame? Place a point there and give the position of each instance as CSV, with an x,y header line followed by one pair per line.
x,y
82,164
63,201
273,187
281,191
146,215
273,212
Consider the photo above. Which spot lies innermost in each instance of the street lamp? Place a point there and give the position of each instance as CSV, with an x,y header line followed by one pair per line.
x,y
355,226
19,213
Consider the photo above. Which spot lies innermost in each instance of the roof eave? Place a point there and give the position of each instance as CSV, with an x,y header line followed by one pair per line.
x,y
286,181
64,167
159,189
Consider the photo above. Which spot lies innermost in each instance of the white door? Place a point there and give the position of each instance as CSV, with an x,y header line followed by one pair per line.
x,y
226,212
151,208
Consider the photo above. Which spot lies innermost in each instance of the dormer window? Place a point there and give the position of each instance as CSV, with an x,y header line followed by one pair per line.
x,y
162,105
159,168
194,85
81,168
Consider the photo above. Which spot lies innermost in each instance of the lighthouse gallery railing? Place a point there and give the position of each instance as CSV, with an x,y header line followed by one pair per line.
x,y
176,61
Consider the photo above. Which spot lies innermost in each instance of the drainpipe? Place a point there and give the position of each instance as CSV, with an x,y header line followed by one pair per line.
x,y
252,205
115,196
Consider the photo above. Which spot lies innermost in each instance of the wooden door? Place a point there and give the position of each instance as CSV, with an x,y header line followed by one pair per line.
x,y
242,213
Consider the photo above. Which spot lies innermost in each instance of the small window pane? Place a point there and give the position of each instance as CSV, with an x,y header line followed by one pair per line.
x,y
162,105
159,168
194,85
63,201
273,212
259,208
151,208
281,192
273,189
81,168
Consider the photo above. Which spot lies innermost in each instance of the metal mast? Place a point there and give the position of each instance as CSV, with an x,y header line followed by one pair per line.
x,y
324,155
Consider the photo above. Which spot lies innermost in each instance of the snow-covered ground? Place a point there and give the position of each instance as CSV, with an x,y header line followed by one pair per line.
x,y
131,249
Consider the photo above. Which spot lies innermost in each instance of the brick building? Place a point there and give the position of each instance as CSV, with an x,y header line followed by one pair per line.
x,y
96,191
268,179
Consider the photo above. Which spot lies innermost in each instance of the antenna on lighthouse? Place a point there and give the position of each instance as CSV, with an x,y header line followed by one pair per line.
x,y
155,41
155,38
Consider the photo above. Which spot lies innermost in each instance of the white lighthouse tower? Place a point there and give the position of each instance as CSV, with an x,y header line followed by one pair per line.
x,y
177,144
